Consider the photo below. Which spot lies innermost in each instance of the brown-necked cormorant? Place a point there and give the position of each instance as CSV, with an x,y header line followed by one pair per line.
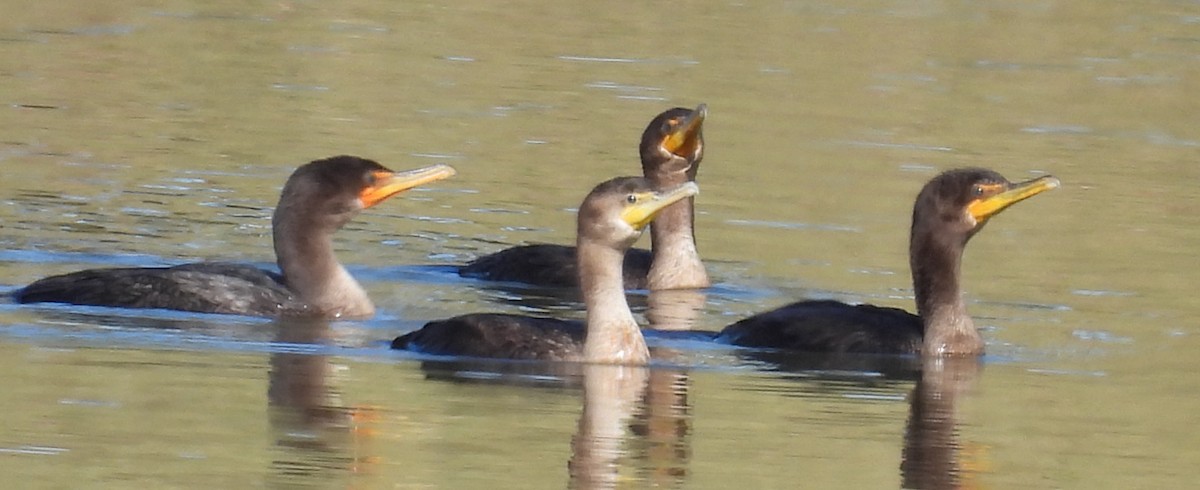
x,y
317,200
610,219
671,149
949,210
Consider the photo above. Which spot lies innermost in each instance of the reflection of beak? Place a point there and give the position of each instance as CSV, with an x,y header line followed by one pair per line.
x,y
649,204
388,184
686,138
982,209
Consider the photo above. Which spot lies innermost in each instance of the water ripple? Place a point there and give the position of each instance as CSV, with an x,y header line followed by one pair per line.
x,y
600,59
906,146
1101,292
35,450
794,225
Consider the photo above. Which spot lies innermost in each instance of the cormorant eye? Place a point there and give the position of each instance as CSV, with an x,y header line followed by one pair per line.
x,y
977,191
631,199
369,180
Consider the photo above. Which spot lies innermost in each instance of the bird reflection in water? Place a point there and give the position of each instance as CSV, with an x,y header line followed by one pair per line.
x,y
634,424
674,309
655,447
611,394
316,437
636,419
665,422
652,402
933,456
663,427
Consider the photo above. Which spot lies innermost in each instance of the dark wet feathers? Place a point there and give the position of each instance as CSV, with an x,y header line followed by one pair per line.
x,y
549,265
502,336
322,194
829,326
203,287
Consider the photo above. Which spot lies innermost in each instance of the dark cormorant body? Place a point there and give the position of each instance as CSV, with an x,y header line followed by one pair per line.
x,y
949,210
317,200
610,219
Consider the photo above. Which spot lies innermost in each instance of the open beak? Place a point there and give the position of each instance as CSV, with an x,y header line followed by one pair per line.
x,y
388,184
982,209
685,140
649,204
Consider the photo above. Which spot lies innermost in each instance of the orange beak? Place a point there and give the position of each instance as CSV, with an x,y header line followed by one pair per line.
x,y
387,183
686,137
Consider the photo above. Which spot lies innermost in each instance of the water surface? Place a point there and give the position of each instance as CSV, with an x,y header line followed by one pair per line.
x,y
152,133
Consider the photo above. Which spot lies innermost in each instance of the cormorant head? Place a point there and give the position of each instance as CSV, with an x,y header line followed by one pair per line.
x,y
673,145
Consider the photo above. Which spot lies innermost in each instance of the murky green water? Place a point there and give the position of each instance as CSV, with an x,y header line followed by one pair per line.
x,y
151,133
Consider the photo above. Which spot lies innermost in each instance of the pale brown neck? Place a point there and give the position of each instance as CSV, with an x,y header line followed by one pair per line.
x,y
676,263
936,265
310,269
613,336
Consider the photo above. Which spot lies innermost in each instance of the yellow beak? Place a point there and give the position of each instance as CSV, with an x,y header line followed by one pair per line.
x,y
649,204
984,208
388,184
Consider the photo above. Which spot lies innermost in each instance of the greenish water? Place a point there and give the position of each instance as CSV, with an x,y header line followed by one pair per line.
x,y
147,133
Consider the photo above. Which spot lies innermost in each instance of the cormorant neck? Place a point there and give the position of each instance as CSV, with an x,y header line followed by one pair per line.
x,y
936,263
676,263
613,336
304,252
